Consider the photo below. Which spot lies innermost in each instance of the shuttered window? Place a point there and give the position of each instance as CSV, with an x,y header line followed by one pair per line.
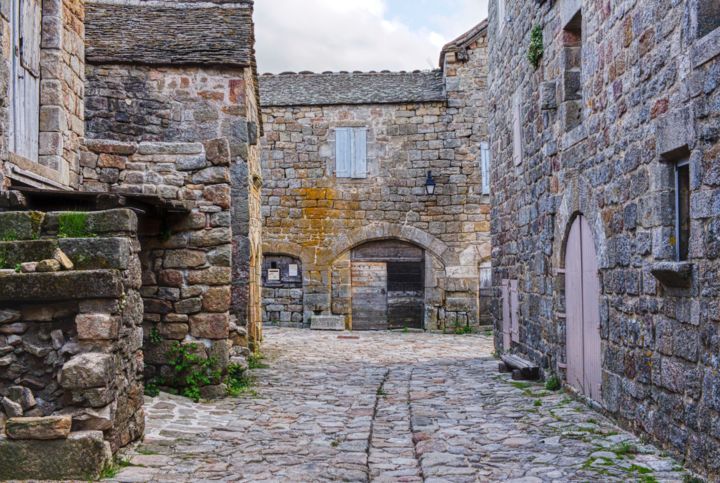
x,y
351,152
25,78
485,167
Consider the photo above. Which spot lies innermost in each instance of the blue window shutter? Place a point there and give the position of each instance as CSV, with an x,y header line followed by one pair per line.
x,y
359,167
343,152
485,167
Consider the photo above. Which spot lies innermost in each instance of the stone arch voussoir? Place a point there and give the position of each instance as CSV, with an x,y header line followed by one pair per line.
x,y
384,231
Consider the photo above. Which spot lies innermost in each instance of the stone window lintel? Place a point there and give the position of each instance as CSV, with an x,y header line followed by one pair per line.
x,y
706,49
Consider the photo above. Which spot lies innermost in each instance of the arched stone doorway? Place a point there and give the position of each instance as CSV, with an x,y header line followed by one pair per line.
x,y
387,285
582,293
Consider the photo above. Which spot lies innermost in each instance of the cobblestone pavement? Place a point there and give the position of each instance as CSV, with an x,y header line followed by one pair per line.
x,y
387,407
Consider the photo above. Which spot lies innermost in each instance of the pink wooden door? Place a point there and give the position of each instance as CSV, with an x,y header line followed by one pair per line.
x,y
506,328
582,292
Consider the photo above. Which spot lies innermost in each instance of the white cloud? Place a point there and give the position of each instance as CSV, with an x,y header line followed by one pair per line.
x,y
319,35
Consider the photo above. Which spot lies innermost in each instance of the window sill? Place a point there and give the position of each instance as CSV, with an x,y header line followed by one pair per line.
x,y
706,48
673,274
34,174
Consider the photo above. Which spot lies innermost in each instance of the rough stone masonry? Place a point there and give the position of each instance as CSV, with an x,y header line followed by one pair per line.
x,y
316,219
623,100
138,106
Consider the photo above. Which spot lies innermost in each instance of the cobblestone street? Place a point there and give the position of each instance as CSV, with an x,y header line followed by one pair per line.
x,y
387,407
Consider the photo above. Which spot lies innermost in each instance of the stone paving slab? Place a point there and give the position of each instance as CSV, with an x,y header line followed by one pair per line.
x,y
403,407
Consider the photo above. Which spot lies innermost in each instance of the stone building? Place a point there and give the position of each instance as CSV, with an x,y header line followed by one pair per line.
x,y
129,217
605,128
351,236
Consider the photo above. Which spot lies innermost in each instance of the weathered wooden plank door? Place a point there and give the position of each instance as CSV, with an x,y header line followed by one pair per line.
x,y
25,78
506,328
514,311
582,292
369,296
405,295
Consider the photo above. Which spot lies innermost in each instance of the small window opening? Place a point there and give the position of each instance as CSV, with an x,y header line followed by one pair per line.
x,y
708,16
572,75
485,167
501,14
682,210
273,265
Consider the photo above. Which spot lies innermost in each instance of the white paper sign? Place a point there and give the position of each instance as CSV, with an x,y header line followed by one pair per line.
x,y
293,270
273,275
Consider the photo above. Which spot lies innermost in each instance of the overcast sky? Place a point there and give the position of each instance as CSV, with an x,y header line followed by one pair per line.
x,y
320,35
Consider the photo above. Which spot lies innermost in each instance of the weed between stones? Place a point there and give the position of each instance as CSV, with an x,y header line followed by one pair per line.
x,y
191,372
73,225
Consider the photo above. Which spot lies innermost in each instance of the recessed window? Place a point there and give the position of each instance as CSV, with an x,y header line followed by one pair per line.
x,y
517,128
351,152
708,16
502,14
485,167
572,73
682,210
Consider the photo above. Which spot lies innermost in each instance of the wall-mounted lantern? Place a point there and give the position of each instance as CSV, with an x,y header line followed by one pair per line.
x,y
430,184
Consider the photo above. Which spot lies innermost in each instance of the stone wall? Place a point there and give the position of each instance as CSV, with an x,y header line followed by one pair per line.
x,y
4,86
317,217
647,92
186,258
192,104
71,342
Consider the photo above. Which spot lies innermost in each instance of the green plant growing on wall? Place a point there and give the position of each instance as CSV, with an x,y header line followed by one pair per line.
x,y
536,48
191,371
237,380
155,337
73,225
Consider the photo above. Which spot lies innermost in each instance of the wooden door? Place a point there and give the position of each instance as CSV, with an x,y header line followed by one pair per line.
x,y
369,296
582,293
405,295
506,324
25,78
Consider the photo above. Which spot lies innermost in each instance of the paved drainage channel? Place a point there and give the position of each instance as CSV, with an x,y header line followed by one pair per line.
x,y
388,407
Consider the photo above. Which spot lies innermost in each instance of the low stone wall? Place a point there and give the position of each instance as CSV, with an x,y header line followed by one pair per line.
x,y
283,306
186,259
70,342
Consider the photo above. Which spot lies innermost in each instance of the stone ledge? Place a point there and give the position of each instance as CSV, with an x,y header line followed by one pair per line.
x,y
673,274
85,253
327,322
82,456
75,285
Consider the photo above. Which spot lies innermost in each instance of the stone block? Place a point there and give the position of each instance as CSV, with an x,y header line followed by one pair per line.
x,y
675,134
98,253
12,408
85,371
43,428
49,265
673,274
213,175
97,327
82,456
217,151
174,330
216,299
210,326
327,322
100,146
184,259
8,316
210,276
21,395
20,226
60,286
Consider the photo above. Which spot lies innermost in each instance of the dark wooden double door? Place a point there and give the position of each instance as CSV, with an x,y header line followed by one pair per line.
x,y
388,286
